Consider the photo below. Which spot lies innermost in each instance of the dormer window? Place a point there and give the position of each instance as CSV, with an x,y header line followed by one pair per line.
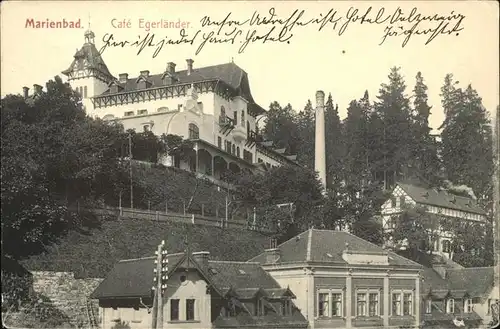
x,y
142,112
428,306
468,306
446,246
194,131
286,307
259,307
450,306
128,113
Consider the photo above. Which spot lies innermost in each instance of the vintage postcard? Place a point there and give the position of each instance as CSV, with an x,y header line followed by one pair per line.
x,y
250,164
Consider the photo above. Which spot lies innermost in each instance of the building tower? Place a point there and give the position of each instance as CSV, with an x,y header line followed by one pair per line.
x,y
320,156
88,74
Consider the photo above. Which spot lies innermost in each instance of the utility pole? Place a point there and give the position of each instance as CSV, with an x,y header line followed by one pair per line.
x,y
160,278
130,163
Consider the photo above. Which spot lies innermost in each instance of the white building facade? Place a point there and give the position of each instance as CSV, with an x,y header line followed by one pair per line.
x,y
211,106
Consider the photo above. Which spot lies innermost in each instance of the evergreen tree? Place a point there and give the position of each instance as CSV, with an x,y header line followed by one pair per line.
x,y
306,132
333,146
393,109
466,140
281,127
424,156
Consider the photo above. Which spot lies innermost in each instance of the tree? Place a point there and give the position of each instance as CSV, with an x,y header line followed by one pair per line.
x,y
53,155
467,140
393,113
416,229
334,146
306,124
424,150
281,128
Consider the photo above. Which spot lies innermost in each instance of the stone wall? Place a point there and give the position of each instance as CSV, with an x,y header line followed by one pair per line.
x,y
69,295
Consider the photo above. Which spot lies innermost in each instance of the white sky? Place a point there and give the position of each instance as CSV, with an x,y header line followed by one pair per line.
x,y
287,73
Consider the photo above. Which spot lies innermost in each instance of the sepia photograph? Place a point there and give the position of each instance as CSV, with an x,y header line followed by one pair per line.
x,y
250,164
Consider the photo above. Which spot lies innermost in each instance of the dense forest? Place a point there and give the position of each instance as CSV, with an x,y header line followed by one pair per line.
x,y
54,156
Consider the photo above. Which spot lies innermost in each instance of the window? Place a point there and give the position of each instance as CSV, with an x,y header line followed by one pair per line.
x,y
336,304
401,201
247,156
259,307
128,113
235,114
222,112
396,303
393,202
468,306
286,307
243,118
85,91
142,112
373,304
361,304
323,304
194,132
450,306
248,128
219,142
428,306
189,309
174,309
445,244
238,151
488,311
233,150
115,314
407,304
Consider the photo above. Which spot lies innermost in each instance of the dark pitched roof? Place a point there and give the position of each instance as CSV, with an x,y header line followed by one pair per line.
x,y
441,198
477,281
91,55
230,73
327,246
134,277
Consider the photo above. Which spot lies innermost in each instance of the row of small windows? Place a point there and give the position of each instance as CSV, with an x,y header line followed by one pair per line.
x,y
82,91
231,148
330,303
450,306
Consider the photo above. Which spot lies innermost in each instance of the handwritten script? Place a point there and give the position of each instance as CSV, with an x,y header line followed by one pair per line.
x,y
273,28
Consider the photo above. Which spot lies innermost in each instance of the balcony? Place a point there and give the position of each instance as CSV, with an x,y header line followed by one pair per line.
x,y
226,124
253,138
239,134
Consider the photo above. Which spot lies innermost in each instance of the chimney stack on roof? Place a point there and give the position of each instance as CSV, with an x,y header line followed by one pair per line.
x,y
37,89
189,66
25,92
440,267
171,67
123,77
145,73
202,257
272,255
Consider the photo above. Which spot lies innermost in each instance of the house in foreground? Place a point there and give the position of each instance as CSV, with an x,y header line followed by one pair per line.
x,y
200,293
453,295
343,281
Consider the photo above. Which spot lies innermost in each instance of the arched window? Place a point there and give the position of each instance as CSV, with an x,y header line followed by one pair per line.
x,y
243,118
248,128
450,306
238,151
194,132
233,150
85,91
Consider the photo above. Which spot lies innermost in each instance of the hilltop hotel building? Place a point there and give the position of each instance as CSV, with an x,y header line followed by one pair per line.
x,y
211,106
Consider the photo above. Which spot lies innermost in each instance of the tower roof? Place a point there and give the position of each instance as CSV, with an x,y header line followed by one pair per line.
x,y
88,57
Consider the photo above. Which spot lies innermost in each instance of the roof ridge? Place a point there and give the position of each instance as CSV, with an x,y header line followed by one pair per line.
x,y
471,268
233,262
134,259
292,238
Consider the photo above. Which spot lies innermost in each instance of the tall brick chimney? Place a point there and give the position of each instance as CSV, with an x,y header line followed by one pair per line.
x,y
320,156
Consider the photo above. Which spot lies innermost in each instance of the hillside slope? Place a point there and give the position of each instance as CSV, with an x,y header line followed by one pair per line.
x,y
93,253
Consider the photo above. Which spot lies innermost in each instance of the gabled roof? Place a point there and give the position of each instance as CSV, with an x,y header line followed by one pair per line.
x,y
441,198
134,278
477,281
327,246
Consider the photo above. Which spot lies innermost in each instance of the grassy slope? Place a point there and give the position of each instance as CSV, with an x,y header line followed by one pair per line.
x,y
93,254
